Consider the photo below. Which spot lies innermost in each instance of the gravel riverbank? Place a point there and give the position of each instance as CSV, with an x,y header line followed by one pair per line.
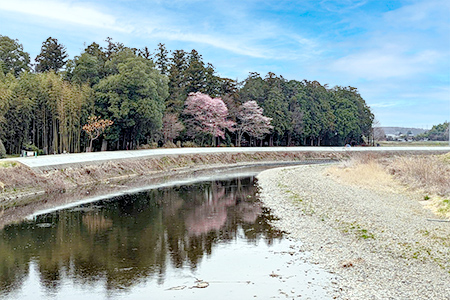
x,y
380,244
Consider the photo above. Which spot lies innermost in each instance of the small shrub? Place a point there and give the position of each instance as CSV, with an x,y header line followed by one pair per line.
x,y
7,164
443,207
31,147
148,146
189,144
169,144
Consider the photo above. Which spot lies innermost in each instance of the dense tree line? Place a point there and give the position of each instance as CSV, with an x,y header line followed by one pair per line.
x,y
307,113
149,99
438,132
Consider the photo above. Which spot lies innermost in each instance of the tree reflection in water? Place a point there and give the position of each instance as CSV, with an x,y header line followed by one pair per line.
x,y
132,238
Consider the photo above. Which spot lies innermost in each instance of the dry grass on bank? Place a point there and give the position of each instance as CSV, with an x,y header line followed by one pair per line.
x,y
366,171
430,173
427,175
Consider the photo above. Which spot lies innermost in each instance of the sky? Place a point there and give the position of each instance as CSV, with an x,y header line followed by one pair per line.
x,y
397,53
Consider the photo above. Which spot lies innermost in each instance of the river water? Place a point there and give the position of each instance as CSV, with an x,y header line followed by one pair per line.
x,y
207,240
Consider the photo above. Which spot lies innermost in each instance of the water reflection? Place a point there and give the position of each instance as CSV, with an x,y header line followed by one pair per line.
x,y
124,241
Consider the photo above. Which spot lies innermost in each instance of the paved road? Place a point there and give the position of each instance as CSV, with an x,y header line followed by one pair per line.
x,y
79,158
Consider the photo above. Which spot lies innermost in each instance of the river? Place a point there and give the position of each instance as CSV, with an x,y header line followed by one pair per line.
x,y
204,240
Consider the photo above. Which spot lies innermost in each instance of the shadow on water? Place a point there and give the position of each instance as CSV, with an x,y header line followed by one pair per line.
x,y
126,240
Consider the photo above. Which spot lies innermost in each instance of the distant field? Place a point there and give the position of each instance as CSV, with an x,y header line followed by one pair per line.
x,y
413,144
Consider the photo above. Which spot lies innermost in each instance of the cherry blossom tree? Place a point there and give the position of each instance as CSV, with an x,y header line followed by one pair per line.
x,y
252,121
207,115
95,127
172,127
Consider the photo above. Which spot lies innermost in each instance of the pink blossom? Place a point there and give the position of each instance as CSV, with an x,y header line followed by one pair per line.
x,y
252,121
209,114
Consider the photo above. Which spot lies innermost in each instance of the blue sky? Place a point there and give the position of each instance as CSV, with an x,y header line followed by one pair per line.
x,y
397,53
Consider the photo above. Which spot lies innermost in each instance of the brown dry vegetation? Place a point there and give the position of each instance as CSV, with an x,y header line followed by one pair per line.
x,y
14,176
427,175
430,173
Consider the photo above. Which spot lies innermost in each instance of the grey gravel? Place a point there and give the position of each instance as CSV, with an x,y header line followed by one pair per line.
x,y
378,244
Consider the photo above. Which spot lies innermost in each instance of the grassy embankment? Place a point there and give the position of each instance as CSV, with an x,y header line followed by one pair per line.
x,y
428,175
18,183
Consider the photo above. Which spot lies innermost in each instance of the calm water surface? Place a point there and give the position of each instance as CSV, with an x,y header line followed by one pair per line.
x,y
200,241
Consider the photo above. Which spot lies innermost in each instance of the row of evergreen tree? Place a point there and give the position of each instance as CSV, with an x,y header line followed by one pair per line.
x,y
45,105
438,132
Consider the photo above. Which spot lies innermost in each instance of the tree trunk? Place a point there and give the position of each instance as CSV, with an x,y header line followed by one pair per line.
x,y
44,131
239,138
104,145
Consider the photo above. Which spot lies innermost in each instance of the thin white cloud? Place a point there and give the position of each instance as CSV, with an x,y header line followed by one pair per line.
x,y
339,6
404,43
424,14
383,64
169,24
64,11
231,26
232,45
384,104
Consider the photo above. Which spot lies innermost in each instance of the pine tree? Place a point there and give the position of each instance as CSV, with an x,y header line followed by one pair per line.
x,y
162,59
53,56
177,81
